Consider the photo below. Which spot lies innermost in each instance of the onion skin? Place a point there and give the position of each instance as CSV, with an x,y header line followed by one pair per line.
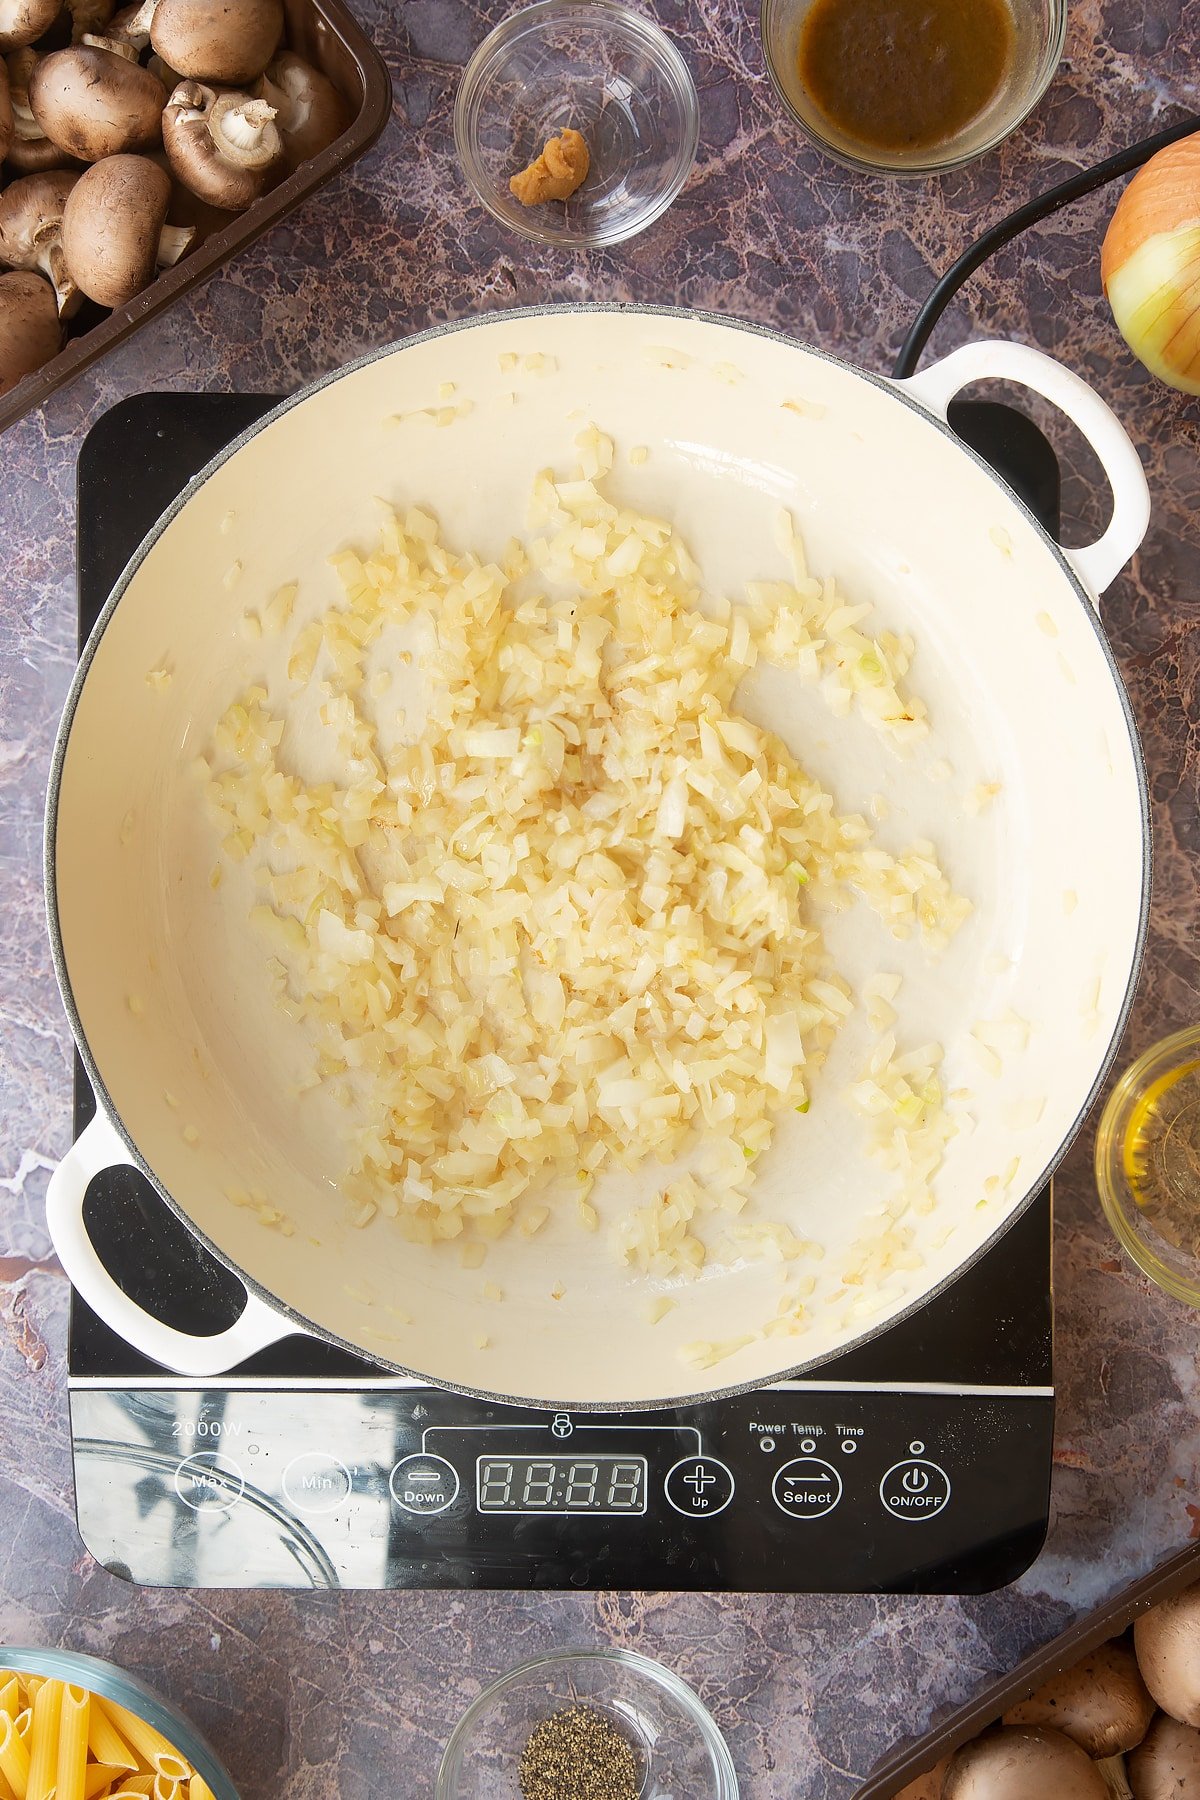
x,y
1150,265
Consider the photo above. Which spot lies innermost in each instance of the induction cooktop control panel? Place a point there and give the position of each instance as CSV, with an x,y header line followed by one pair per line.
x,y
793,1488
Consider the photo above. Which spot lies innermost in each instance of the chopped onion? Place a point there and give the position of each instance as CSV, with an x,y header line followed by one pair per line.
x,y
576,922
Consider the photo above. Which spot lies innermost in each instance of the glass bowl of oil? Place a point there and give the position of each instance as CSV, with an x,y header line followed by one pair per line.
x,y
1148,1163
911,87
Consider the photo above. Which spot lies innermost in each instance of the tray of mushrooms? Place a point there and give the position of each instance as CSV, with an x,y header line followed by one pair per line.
x,y
1108,1711
143,145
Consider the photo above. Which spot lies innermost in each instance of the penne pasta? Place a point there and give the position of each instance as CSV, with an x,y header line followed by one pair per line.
x,y
99,1777
71,1761
14,1757
150,1745
61,1741
105,1741
43,1741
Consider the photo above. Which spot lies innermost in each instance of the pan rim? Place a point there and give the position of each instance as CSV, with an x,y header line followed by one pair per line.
x,y
104,1100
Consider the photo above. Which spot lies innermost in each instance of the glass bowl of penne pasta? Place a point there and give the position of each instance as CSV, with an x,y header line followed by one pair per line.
x,y
75,1728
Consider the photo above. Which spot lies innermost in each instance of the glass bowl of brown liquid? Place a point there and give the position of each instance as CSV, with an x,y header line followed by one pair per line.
x,y
911,87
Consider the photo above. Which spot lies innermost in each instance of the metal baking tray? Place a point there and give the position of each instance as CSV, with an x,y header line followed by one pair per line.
x,y
326,35
908,1761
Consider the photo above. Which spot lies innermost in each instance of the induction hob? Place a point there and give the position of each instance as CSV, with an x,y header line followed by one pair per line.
x,y
917,1463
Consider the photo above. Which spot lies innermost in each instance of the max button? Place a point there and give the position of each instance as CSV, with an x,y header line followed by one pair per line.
x,y
209,1483
914,1489
424,1484
699,1487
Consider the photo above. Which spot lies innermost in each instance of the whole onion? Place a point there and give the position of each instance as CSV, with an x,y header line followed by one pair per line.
x,y
1150,264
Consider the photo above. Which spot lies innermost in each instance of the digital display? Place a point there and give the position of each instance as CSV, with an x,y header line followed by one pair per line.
x,y
561,1484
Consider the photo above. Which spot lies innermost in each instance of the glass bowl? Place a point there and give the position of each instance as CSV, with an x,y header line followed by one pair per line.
x,y
1146,1082
112,1683
603,70
1040,29
682,1753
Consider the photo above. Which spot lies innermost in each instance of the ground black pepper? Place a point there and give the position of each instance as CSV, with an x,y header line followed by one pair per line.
x,y
579,1754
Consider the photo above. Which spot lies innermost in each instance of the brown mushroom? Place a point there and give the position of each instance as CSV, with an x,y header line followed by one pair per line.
x,y
1166,1764
30,329
1101,1703
309,111
187,208
21,21
88,16
6,112
1167,1641
927,1786
93,102
114,231
131,25
169,77
226,41
224,147
31,212
31,151
1023,1762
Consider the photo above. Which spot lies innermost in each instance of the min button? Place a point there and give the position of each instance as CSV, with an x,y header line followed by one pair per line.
x,y
314,1482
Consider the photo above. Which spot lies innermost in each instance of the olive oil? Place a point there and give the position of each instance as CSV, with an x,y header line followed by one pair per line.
x,y
904,75
1162,1156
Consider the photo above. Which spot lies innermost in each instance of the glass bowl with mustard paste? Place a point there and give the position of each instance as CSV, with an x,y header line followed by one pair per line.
x,y
592,78
911,87
1148,1163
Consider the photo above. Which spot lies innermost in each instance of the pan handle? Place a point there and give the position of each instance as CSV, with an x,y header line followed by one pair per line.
x,y
998,359
98,1148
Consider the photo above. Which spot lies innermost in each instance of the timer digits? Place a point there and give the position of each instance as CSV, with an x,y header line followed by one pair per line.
x,y
561,1484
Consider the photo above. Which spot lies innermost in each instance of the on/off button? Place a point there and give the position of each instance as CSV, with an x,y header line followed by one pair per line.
x,y
914,1489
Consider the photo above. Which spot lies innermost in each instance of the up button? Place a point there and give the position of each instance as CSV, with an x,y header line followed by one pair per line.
x,y
914,1489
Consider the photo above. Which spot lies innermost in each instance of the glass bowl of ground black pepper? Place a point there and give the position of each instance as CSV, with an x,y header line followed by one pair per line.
x,y
1148,1163
587,1725
911,87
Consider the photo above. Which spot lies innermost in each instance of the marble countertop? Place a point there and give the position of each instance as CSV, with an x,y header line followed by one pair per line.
x,y
355,1694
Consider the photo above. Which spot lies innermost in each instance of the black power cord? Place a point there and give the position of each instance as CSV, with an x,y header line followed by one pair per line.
x,y
1032,213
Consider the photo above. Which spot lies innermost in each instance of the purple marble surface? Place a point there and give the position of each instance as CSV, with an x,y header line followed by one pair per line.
x,y
355,1695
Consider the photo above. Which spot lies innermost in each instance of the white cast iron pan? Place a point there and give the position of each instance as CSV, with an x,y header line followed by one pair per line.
x,y
1022,690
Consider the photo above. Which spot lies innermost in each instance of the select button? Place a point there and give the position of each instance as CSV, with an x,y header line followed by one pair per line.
x,y
806,1488
424,1484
